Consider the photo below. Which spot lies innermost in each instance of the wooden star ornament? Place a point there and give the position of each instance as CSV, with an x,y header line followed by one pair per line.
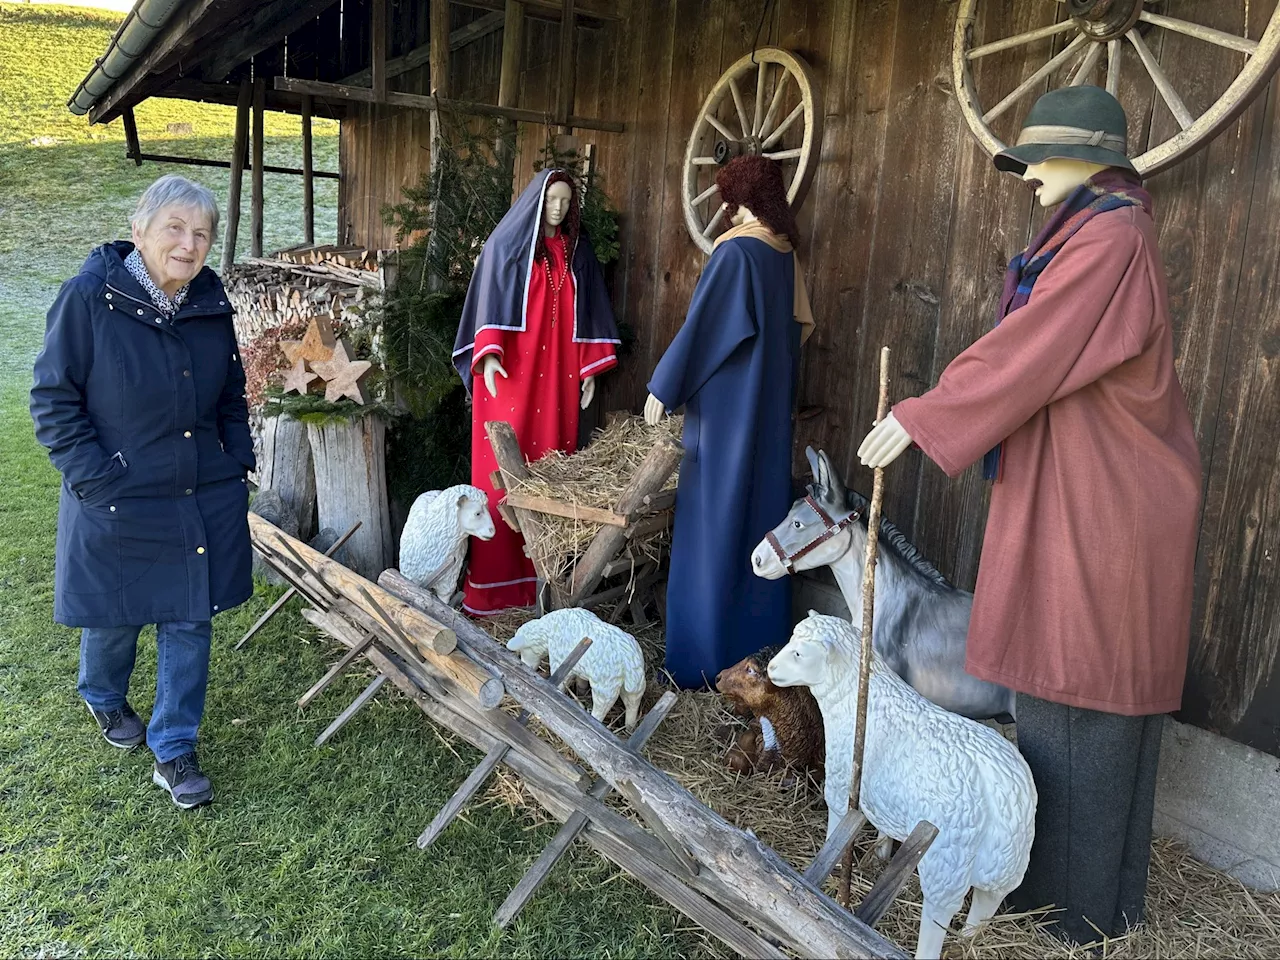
x,y
343,376
299,378
316,344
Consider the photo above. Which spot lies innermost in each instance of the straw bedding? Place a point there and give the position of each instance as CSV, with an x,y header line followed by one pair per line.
x,y
595,476
1193,910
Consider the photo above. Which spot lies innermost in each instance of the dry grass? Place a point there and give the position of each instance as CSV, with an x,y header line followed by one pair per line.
x,y
1193,910
595,476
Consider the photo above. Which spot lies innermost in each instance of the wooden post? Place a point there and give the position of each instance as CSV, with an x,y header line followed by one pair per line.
x,y
285,467
351,484
378,52
133,148
509,81
564,94
238,150
308,180
255,203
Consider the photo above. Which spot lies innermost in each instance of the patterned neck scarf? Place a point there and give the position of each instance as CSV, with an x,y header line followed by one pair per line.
x,y
158,297
1107,190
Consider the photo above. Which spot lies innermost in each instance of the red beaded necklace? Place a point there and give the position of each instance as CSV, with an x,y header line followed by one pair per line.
x,y
556,286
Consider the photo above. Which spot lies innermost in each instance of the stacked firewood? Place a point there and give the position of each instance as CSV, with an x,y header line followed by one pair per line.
x,y
294,285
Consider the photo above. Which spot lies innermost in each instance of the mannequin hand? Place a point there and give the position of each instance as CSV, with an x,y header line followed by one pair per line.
x,y
491,366
588,391
884,444
654,410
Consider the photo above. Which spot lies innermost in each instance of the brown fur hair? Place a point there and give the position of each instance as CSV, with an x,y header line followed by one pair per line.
x,y
572,223
756,183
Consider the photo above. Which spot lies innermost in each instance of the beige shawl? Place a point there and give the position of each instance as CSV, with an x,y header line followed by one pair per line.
x,y
758,230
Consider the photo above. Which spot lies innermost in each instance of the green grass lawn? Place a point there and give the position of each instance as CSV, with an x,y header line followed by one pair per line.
x,y
306,851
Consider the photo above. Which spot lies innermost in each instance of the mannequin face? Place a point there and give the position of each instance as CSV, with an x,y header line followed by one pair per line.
x,y
1057,177
559,196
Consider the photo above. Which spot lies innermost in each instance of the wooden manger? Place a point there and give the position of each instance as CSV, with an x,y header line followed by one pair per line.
x,y
616,551
723,878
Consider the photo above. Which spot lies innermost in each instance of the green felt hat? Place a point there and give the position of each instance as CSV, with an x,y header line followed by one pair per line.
x,y
1074,123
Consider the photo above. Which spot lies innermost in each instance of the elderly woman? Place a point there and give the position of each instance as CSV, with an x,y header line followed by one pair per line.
x,y
139,398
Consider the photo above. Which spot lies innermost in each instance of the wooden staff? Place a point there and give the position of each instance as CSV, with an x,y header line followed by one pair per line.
x,y
868,613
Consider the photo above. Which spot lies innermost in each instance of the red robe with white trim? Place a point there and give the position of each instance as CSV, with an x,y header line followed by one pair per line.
x,y
540,399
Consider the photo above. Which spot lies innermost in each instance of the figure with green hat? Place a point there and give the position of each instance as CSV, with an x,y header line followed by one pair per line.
x,y
1083,599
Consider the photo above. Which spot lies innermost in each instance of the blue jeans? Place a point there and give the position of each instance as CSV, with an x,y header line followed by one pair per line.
x,y
182,674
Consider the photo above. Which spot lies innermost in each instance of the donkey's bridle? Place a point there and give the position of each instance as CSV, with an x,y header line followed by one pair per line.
x,y
831,528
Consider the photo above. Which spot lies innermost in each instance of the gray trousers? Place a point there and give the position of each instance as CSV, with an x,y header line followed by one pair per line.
x,y
1095,776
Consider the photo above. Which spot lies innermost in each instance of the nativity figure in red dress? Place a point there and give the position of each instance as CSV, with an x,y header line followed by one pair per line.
x,y
537,329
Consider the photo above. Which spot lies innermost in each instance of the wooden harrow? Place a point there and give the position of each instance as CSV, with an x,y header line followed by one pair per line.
x,y
721,877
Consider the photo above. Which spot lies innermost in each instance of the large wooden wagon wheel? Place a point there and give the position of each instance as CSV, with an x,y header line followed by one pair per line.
x,y
1116,29
767,104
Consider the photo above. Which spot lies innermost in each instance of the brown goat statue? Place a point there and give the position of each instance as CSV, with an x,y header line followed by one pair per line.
x,y
787,726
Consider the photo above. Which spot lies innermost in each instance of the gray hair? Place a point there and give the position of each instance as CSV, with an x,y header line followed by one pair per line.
x,y
176,191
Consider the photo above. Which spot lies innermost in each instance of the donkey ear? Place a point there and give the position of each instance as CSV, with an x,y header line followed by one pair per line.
x,y
812,457
831,480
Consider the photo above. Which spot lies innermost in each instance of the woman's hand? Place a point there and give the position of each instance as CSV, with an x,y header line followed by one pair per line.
x,y
588,391
884,444
491,366
654,410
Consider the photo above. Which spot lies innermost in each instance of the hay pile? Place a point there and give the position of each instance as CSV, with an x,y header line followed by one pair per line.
x,y
593,477
1193,910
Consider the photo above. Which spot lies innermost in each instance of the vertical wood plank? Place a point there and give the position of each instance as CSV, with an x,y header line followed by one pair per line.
x,y
255,197
239,146
308,181
378,48
509,79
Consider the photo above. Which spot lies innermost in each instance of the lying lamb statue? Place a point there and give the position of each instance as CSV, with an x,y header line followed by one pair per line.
x,y
920,763
613,663
433,546
786,727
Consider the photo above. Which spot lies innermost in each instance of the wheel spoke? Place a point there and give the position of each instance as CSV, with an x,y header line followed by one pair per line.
x,y
1170,96
1208,34
785,154
715,221
1088,63
1032,81
1008,43
742,111
783,127
774,104
724,131
706,194
755,127
704,161
1113,67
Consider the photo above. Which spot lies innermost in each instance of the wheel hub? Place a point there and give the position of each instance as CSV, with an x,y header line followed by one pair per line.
x,y
1103,20
726,150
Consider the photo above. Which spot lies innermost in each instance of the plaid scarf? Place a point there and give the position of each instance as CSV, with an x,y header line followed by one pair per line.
x,y
159,298
1108,190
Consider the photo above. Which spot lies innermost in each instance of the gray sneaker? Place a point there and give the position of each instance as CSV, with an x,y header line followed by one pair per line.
x,y
184,780
121,728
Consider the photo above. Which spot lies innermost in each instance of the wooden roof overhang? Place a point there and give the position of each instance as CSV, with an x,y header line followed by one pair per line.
x,y
194,53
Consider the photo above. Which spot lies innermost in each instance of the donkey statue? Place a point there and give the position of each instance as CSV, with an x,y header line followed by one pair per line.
x,y
921,620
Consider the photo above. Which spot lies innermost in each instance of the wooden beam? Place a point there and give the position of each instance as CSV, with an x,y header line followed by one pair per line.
x,y
187,88
255,195
356,705
308,177
566,71
378,49
133,148
758,877
419,56
509,79
590,13
225,164
439,43
239,146
270,23
880,897
338,93
570,511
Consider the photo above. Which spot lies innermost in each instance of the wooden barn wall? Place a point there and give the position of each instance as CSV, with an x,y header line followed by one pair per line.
x,y
907,229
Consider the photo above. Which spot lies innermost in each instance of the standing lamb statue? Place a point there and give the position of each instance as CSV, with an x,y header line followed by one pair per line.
x,y
920,763
433,546
613,664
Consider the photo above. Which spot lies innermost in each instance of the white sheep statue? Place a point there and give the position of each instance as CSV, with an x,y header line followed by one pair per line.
x,y
613,664
433,545
920,763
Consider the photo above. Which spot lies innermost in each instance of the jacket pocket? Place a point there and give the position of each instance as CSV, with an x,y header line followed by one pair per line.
x,y
96,490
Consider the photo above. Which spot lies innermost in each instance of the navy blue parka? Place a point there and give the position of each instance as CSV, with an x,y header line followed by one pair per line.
x,y
146,420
